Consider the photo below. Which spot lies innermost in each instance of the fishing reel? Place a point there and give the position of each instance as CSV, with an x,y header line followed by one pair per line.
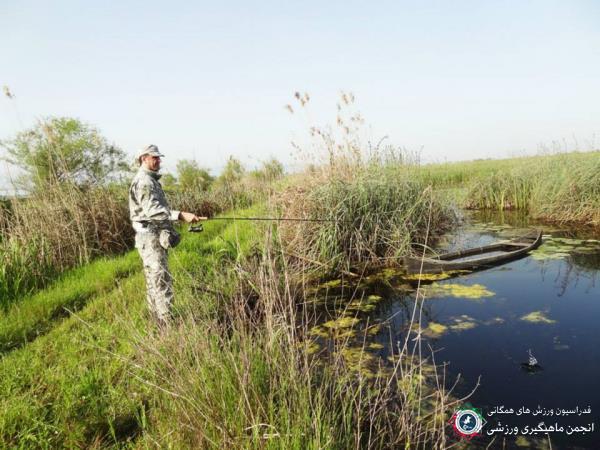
x,y
196,228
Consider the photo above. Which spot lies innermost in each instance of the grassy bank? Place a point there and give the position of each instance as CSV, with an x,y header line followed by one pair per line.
x,y
233,372
55,229
563,188
72,386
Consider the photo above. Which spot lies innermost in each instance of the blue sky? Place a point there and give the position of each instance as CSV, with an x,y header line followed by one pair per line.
x,y
203,80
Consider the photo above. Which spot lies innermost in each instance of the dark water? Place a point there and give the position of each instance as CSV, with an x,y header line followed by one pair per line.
x,y
484,324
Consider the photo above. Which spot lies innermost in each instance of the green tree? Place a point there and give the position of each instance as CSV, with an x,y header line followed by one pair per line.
x,y
168,181
232,172
270,171
63,149
191,176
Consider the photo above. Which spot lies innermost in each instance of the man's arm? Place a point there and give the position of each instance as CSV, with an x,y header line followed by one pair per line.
x,y
190,217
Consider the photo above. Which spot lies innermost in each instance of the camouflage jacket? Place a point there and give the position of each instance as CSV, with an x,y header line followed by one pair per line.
x,y
148,206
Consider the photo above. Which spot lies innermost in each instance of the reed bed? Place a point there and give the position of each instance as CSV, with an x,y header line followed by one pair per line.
x,y
561,188
373,213
371,202
239,375
24,267
56,228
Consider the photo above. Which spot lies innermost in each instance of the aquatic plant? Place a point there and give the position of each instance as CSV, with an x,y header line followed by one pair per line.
x,y
471,292
537,317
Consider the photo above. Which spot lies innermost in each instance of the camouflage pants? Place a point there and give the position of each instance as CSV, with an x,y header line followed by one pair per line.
x,y
159,284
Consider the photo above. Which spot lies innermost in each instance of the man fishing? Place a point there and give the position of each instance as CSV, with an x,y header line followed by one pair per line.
x,y
152,219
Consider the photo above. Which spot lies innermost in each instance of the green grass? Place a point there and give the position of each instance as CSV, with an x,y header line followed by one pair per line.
x,y
107,378
38,379
376,213
73,386
561,187
23,269
35,315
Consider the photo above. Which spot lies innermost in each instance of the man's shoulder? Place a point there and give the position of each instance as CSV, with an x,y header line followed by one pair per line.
x,y
142,178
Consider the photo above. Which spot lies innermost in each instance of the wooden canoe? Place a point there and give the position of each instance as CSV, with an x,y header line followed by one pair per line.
x,y
490,255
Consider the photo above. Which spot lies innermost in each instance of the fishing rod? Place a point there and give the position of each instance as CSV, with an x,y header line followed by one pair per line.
x,y
294,219
198,228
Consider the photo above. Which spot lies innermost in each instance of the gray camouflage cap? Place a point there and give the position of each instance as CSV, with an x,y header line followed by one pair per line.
x,y
151,150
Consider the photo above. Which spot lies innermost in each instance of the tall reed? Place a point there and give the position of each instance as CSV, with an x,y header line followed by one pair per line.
x,y
372,214
560,188
371,201
60,227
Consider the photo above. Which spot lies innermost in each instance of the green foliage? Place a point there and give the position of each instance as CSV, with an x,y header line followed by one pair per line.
x,y
60,149
232,172
35,314
57,228
269,171
192,177
503,191
235,188
372,212
168,182
561,188
106,378
70,383
23,268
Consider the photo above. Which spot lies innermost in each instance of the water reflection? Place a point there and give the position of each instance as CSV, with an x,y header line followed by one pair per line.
x,y
482,325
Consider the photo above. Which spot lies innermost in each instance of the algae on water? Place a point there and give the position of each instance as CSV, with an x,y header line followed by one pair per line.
x,y
434,330
463,323
473,292
537,317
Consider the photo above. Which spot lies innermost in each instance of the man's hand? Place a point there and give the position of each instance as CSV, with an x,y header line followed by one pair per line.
x,y
190,217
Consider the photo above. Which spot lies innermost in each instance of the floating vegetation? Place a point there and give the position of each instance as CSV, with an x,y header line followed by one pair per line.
x,y
335,284
537,317
474,291
331,284
560,248
319,331
434,330
427,277
310,347
360,361
383,276
342,322
434,276
357,305
456,324
374,329
479,227
463,323
366,304
375,346
339,328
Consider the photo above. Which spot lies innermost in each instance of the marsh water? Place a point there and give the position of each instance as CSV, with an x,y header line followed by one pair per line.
x,y
484,326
